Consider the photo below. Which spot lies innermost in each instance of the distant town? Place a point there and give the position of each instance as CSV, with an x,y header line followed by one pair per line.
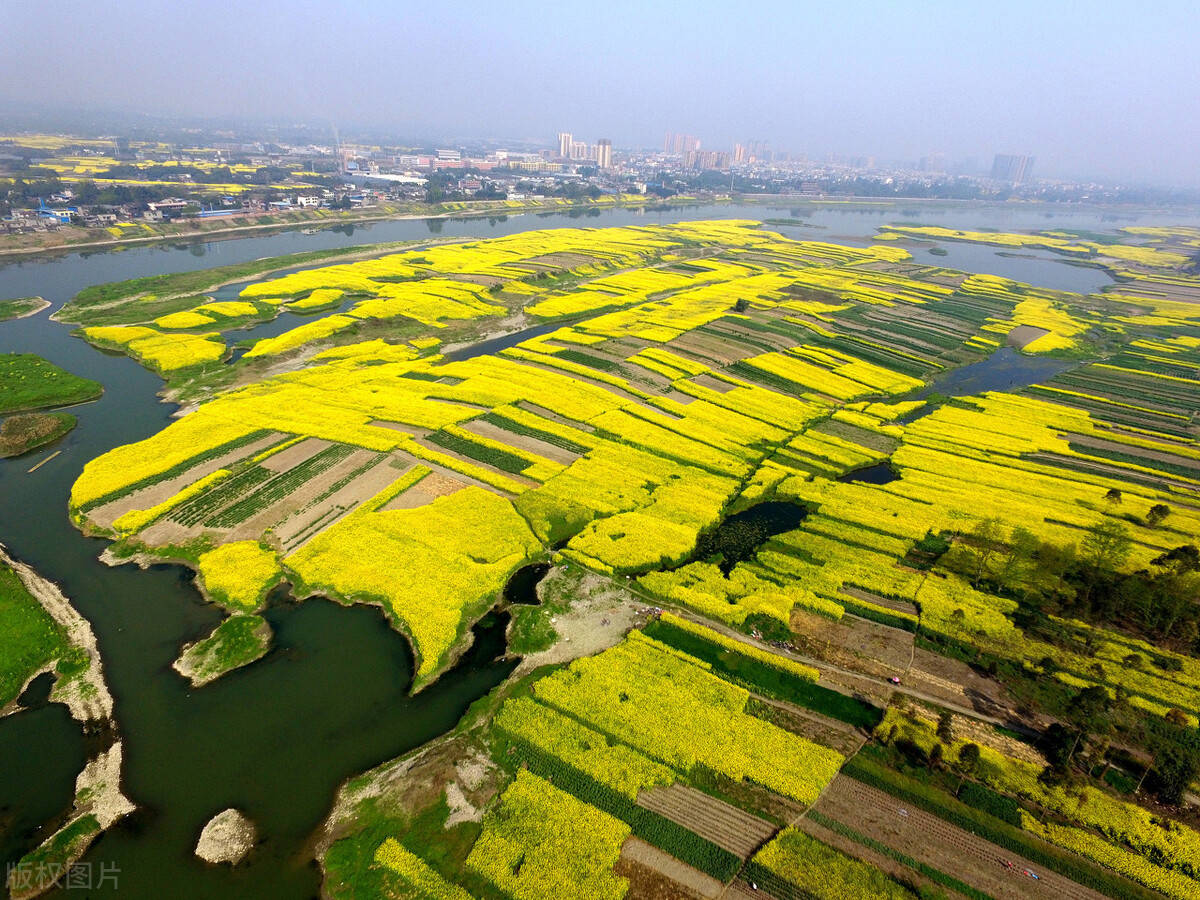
x,y
48,181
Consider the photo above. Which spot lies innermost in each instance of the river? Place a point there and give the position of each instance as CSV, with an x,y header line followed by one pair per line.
x,y
330,700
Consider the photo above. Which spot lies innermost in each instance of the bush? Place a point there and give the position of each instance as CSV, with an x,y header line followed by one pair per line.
x,y
1006,809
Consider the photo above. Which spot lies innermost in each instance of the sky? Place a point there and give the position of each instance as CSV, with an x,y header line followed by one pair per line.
x,y
1093,90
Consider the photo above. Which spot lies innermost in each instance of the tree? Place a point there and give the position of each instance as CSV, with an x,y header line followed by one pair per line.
x,y
1054,561
1184,558
945,727
1176,751
1014,570
985,543
1113,496
937,756
741,305
1106,546
968,762
1156,514
1088,711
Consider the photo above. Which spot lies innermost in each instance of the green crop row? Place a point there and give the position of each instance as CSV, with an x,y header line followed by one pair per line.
x,y
650,826
529,431
201,507
192,462
491,456
279,487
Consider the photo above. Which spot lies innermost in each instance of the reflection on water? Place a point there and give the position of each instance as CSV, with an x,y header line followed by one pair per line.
x,y
1004,370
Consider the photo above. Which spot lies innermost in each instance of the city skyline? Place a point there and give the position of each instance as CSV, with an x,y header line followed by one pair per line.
x,y
864,79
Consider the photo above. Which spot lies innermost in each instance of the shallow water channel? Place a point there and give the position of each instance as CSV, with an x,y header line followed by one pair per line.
x,y
330,700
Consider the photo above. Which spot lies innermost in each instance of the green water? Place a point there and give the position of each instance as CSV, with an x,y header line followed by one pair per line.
x,y
330,700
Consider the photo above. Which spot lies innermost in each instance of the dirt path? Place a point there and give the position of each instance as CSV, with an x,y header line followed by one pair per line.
x,y
947,848
600,616
42,303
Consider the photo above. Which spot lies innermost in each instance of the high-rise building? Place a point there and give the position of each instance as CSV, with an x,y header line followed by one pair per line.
x,y
668,142
934,162
759,151
564,144
705,159
739,153
1011,168
578,150
604,153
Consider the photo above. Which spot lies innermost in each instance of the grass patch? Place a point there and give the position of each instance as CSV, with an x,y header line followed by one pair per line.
x,y
29,382
350,869
22,306
238,641
29,637
22,433
530,630
48,862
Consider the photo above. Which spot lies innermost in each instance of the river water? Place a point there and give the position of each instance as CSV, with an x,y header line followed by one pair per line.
x,y
331,698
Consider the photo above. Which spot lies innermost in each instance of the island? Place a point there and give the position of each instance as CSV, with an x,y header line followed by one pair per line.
x,y
22,307
28,382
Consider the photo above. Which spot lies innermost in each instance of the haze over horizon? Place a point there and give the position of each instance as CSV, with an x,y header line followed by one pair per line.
x,y
1101,90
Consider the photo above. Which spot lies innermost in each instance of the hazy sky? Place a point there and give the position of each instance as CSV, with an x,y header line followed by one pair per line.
x,y
1101,88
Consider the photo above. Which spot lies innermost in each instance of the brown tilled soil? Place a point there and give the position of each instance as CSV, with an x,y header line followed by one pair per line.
x,y
735,830
879,600
428,489
298,527
1142,452
937,843
1023,335
958,683
846,739
554,417
294,455
714,384
164,490
654,875
521,441
307,493
856,644
880,861
715,350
